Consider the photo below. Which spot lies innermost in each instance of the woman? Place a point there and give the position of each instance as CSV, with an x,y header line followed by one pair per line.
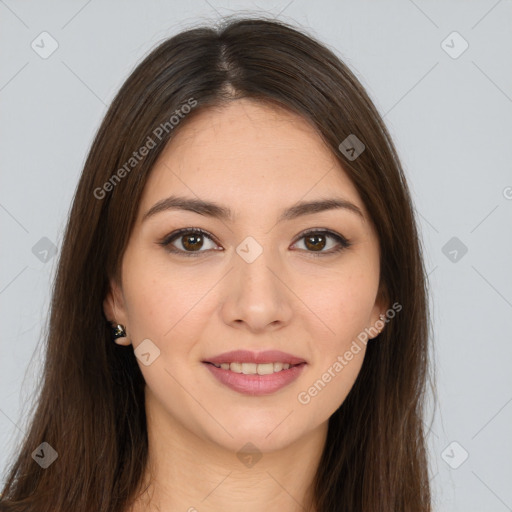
x,y
239,316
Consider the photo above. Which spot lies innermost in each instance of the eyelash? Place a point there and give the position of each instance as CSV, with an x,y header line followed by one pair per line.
x,y
343,242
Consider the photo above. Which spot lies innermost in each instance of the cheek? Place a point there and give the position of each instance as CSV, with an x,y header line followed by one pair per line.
x,y
344,303
158,302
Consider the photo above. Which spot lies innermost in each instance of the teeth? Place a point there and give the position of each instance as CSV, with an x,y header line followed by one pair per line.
x,y
235,367
265,369
249,368
253,368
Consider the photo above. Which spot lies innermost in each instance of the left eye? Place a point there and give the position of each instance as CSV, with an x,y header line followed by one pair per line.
x,y
316,240
192,240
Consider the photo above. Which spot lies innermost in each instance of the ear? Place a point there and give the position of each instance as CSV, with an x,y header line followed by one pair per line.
x,y
114,309
378,315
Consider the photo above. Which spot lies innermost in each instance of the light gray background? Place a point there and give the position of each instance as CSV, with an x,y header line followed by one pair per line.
x,y
451,121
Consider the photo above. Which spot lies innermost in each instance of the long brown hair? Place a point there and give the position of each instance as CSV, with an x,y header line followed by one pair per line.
x,y
90,408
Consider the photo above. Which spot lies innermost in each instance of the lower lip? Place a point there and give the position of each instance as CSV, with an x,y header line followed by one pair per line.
x,y
256,384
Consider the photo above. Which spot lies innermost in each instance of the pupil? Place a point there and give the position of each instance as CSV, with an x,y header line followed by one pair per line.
x,y
196,239
315,243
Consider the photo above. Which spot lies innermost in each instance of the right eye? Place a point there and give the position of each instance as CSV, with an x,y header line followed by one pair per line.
x,y
191,241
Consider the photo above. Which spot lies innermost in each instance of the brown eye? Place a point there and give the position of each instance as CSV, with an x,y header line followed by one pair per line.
x,y
189,241
315,242
192,242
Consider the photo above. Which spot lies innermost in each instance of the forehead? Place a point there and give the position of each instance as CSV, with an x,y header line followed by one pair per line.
x,y
248,152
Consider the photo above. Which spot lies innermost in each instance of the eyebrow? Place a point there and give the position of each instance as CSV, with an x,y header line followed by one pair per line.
x,y
211,209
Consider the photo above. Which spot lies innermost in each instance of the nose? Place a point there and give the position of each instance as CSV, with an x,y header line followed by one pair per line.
x,y
256,295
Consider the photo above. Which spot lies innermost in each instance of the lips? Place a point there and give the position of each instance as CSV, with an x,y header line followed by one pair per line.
x,y
246,356
255,373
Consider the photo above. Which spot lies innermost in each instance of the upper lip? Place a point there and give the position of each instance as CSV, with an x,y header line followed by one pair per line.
x,y
246,356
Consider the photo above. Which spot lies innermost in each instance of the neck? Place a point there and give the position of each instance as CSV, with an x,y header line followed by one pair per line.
x,y
189,473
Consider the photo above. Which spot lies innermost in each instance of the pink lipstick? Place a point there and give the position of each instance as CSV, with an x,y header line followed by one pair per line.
x,y
255,373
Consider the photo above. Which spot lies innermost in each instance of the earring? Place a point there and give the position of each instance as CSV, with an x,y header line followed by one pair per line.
x,y
382,318
118,331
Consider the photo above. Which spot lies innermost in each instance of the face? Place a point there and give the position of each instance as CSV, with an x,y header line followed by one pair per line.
x,y
197,284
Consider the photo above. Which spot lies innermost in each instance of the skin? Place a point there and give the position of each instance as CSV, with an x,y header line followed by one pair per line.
x,y
257,160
